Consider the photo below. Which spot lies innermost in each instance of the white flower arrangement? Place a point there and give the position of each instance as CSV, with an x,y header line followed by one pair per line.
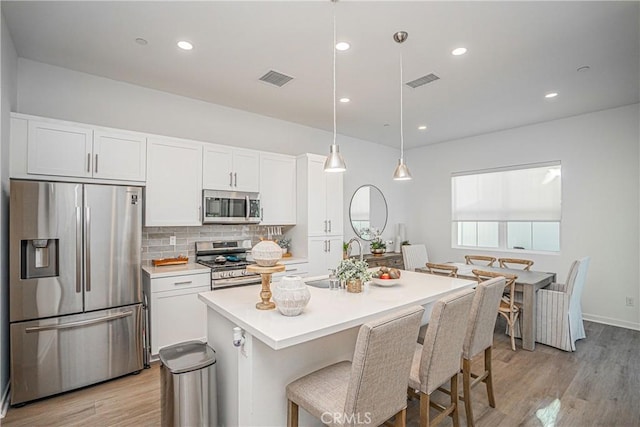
x,y
350,269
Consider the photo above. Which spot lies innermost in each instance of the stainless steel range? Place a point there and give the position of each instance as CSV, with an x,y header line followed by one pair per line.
x,y
228,261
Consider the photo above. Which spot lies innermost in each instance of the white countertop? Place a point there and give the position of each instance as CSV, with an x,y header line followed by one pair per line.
x,y
293,260
328,311
174,270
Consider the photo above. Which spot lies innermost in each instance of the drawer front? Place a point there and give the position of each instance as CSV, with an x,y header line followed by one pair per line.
x,y
301,269
164,284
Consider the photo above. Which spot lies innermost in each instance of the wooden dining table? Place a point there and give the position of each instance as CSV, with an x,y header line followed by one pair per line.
x,y
527,283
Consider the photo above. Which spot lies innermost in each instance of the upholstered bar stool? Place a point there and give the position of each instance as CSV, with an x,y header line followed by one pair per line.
x,y
479,339
372,388
437,361
439,270
487,261
524,264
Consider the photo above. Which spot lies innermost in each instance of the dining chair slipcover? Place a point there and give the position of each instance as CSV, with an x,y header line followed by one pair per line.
x,y
437,361
373,386
479,339
414,256
559,310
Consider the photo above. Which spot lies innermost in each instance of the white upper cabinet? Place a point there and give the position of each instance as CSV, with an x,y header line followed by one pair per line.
x,y
62,149
277,189
323,197
232,169
57,149
173,196
119,156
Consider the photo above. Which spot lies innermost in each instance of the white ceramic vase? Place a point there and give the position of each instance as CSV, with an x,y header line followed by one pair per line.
x,y
291,295
266,253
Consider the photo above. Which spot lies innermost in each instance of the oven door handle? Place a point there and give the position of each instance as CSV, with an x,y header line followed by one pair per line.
x,y
248,280
247,208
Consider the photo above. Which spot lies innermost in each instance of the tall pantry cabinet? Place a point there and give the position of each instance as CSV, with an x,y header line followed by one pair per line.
x,y
319,226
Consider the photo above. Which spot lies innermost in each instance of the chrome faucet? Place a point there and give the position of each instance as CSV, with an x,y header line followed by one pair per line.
x,y
355,239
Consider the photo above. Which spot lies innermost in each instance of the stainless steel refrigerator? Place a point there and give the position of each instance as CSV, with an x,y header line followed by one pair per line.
x,y
75,290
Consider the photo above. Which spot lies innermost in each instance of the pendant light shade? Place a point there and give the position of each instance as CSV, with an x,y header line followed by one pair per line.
x,y
401,173
335,162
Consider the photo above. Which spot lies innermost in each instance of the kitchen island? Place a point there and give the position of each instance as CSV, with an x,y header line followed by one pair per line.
x,y
278,349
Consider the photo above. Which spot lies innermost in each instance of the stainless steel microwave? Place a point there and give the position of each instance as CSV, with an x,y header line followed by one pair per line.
x,y
230,207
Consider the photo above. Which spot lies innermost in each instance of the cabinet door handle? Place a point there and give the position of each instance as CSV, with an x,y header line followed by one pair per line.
x,y
329,222
95,166
325,225
235,179
230,179
329,242
325,246
88,162
261,214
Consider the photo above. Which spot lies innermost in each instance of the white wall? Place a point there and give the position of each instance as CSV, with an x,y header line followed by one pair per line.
x,y
8,93
60,93
600,199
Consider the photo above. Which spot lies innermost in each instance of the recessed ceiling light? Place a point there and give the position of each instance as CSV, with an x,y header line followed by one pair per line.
x,y
459,51
141,41
343,46
422,127
344,100
551,95
185,45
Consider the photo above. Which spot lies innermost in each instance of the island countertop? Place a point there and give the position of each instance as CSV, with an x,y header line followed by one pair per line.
x,y
328,311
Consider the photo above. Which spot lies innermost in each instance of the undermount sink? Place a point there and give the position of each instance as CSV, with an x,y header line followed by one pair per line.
x,y
320,283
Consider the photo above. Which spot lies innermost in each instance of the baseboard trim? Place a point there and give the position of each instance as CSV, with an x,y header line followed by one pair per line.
x,y
611,321
5,401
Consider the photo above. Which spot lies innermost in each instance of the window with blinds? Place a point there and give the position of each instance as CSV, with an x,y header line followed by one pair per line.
x,y
515,208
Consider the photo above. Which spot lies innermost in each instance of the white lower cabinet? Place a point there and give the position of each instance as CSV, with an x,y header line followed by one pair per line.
x,y
176,313
325,253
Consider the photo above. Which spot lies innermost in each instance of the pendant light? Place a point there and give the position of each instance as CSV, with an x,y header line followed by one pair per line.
x,y
334,162
402,171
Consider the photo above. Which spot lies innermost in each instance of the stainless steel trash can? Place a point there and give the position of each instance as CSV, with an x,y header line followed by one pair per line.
x,y
188,385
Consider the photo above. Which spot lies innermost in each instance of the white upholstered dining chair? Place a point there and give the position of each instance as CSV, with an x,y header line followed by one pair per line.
x,y
414,256
559,310
373,387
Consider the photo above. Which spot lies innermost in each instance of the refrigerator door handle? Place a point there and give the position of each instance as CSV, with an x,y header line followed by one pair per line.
x,y
87,243
78,249
80,323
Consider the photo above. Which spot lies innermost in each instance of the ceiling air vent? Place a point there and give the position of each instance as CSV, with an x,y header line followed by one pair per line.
x,y
276,78
423,80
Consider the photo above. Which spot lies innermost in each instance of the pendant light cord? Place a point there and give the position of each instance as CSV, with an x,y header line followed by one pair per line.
x,y
334,73
401,113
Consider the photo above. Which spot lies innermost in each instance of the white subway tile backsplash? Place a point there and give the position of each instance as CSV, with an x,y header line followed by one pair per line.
x,y
155,240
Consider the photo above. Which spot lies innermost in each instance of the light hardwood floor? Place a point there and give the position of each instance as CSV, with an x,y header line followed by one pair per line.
x,y
598,385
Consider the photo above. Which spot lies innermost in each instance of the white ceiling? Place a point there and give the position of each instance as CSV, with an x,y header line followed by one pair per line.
x,y
517,52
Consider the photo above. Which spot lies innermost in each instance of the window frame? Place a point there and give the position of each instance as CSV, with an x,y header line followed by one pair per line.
x,y
503,224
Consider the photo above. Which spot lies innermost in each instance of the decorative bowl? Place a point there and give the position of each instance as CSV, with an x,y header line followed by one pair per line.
x,y
266,253
291,295
385,282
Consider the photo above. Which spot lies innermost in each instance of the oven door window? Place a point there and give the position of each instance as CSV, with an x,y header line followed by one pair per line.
x,y
217,207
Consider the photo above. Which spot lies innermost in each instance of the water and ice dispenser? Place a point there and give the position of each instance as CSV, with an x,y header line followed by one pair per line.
x,y
39,258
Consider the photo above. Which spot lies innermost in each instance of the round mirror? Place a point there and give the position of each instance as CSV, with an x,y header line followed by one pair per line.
x,y
368,212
